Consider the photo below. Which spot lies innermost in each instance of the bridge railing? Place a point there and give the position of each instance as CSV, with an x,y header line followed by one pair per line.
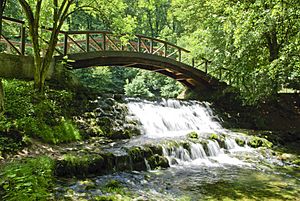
x,y
13,41
17,41
87,41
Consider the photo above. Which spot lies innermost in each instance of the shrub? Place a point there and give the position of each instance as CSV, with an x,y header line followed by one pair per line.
x,y
27,180
37,115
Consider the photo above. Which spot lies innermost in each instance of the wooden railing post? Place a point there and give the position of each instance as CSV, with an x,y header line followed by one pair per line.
x,y
87,42
23,40
179,55
151,46
66,43
166,50
193,62
206,66
104,41
139,44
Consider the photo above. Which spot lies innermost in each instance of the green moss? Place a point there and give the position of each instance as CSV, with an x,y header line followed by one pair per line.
x,y
214,136
193,135
240,142
296,162
79,165
157,161
256,142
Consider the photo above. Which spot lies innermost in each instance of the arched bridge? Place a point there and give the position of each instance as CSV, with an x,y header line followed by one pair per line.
x,y
82,49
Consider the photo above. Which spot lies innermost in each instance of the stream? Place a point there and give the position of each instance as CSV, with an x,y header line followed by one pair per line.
x,y
200,169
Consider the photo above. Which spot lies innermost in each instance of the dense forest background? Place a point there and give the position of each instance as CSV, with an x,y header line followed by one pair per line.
x,y
255,44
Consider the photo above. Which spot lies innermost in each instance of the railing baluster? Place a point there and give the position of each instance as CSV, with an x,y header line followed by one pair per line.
x,y
206,66
139,44
23,40
104,41
179,55
66,43
87,42
193,62
151,46
166,50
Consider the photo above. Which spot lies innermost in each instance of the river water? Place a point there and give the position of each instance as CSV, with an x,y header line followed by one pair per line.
x,y
210,171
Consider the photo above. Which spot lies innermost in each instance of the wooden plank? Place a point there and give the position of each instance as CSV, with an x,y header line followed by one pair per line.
x,y
113,43
11,45
145,46
172,53
95,42
131,45
76,44
9,19
158,49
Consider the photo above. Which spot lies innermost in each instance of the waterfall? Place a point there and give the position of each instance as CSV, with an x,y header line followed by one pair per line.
x,y
174,119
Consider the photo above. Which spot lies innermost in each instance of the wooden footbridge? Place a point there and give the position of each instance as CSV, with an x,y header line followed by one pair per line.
x,y
82,49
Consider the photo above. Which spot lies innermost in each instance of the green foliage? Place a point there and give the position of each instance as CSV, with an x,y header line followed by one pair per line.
x,y
38,116
150,84
254,43
30,179
137,88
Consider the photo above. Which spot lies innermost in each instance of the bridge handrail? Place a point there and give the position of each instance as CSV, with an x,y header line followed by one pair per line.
x,y
112,33
22,43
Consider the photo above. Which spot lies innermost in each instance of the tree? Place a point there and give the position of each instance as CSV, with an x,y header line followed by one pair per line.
x,y
2,6
255,42
57,12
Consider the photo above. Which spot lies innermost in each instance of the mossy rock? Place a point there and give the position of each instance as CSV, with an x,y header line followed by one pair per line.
x,y
296,162
193,135
119,134
156,149
256,142
186,145
137,154
157,161
219,138
214,136
204,145
123,162
79,166
240,142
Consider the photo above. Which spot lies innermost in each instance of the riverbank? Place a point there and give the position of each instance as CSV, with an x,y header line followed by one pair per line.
x,y
101,122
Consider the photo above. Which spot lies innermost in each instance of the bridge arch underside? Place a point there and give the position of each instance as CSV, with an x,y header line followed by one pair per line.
x,y
187,75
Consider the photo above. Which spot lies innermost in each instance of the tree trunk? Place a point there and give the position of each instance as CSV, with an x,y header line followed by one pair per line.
x,y
2,5
274,47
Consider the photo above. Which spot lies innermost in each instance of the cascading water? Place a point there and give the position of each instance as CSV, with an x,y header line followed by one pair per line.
x,y
173,120
210,165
